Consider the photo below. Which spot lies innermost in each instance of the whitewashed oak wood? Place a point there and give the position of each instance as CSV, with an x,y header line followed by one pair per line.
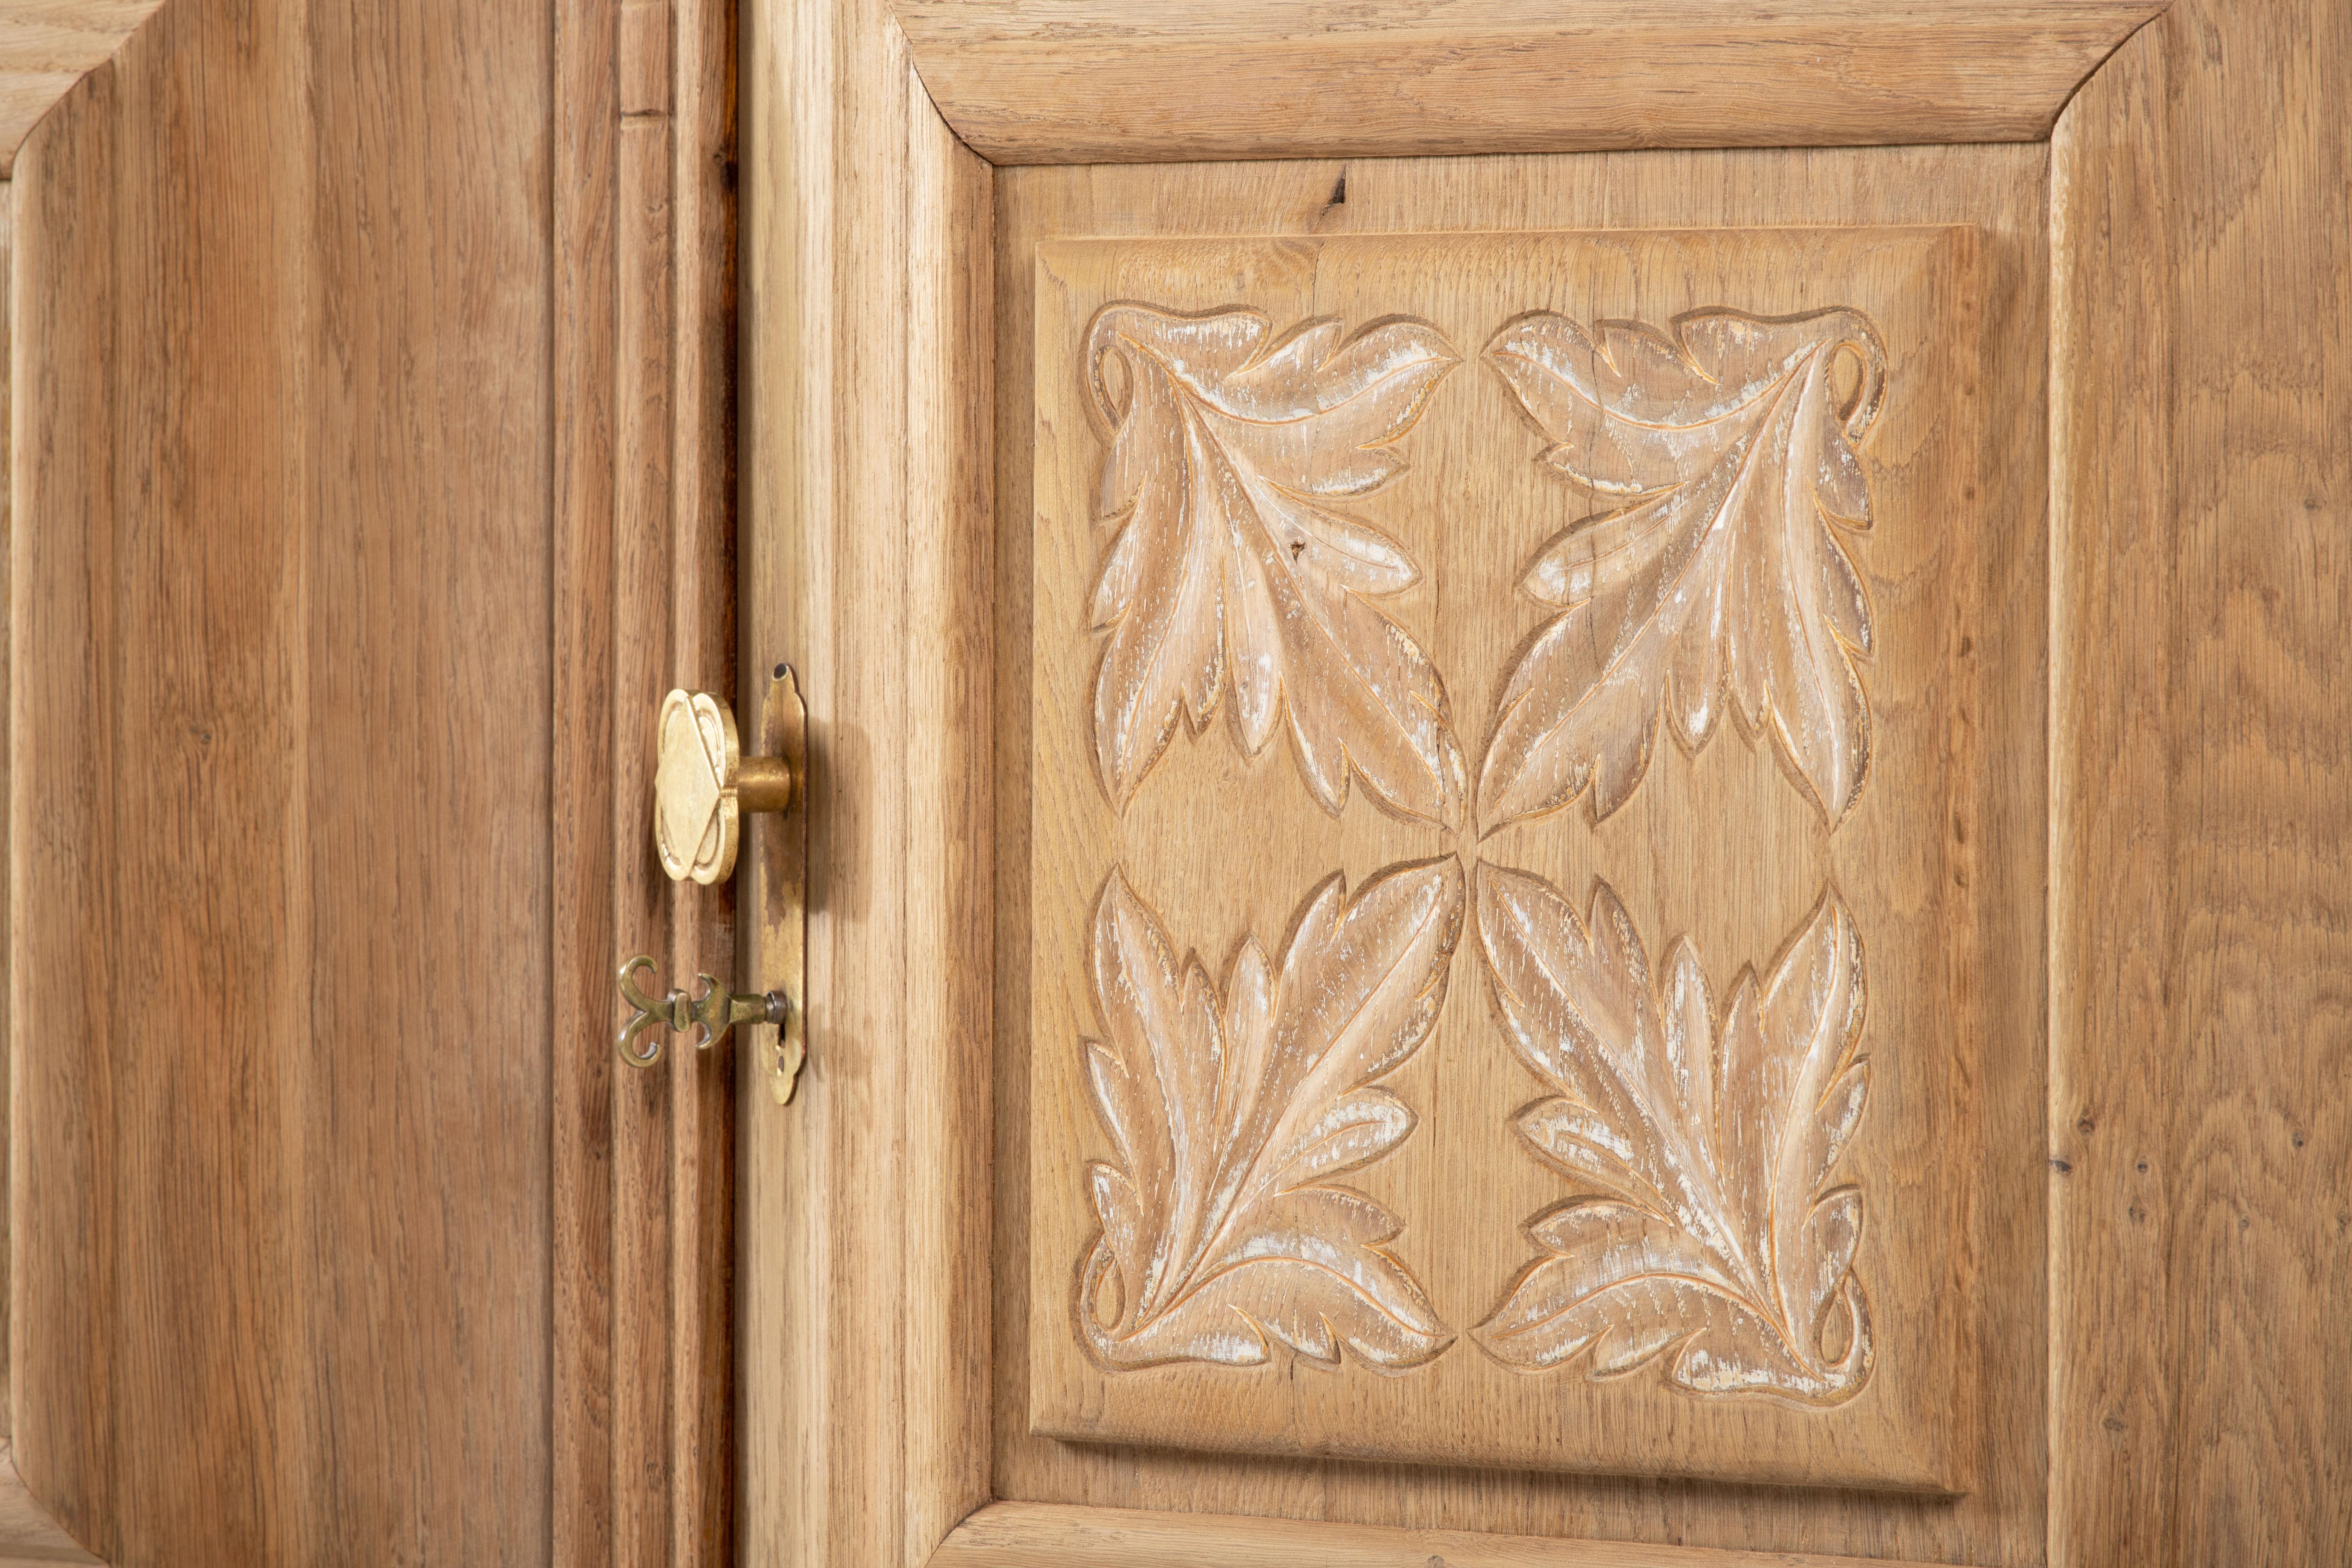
x,y
1220,1237
1079,81
1223,839
867,323
1714,1231
1997,190
7,390
1228,445
1727,460
2251,62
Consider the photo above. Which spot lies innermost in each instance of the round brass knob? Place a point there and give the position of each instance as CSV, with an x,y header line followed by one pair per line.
x,y
702,786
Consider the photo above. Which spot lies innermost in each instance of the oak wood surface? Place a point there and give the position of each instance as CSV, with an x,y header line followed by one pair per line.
x,y
867,556
47,46
1077,82
701,241
2113,946
2259,1472
1048,1535
28,1534
280,874
644,1181
648,599
2201,1111
2000,190
584,1201
1723,846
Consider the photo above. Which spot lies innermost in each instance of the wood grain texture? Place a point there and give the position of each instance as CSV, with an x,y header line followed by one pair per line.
x,y
1075,81
2200,929
281,643
647,597
1998,1407
1047,1535
701,466
644,1181
582,1069
45,47
2112,949
28,1534
1725,846
866,565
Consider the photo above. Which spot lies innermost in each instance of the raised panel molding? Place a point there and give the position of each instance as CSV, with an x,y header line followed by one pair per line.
x,y
1703,1176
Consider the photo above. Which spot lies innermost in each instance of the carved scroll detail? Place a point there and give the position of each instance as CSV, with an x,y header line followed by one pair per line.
x,y
1720,580
1228,568
1221,1233
1709,1234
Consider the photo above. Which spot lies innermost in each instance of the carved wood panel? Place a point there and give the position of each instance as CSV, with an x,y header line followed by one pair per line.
x,y
1452,1040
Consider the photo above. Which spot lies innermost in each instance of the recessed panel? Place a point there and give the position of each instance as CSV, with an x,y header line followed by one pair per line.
x,y
1502,931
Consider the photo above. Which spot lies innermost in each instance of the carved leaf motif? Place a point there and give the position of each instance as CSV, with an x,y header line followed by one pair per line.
x,y
1229,570
1720,580
1708,1227
1220,1232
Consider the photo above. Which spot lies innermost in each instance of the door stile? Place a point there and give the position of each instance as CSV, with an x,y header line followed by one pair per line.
x,y
866,565
2113,547
2200,1121
582,862
645,599
954,680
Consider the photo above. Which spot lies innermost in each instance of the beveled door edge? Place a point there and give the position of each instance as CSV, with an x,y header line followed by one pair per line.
x,y
28,1534
55,52
43,57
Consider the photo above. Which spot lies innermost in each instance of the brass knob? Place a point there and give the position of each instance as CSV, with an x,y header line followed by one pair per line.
x,y
703,783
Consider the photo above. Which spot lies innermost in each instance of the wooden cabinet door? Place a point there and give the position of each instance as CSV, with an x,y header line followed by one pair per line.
x,y
1490,829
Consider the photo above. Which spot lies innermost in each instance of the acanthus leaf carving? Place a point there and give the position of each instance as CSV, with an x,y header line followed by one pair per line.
x,y
1228,568
1720,578
1707,1230
1221,1230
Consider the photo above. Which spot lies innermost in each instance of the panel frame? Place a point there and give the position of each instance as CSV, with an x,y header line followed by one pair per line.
x,y
1178,842
873,1237
2116,159
1997,190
